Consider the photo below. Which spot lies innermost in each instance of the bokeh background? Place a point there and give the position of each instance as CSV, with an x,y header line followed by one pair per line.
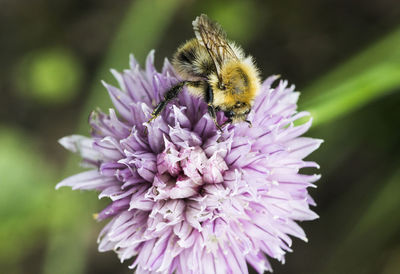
x,y
344,55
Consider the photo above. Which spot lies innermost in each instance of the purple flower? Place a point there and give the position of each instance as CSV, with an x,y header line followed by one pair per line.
x,y
185,197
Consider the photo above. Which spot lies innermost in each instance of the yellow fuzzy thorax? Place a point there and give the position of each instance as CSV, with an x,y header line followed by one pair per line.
x,y
241,83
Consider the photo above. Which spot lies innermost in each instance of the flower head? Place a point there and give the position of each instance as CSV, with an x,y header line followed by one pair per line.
x,y
186,197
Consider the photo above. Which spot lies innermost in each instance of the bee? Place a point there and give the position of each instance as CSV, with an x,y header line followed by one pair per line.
x,y
215,70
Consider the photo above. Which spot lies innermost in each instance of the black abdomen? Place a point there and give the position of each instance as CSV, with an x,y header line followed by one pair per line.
x,y
192,60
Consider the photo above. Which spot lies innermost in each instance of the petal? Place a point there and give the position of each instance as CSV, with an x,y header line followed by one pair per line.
x,y
113,209
302,146
120,100
258,262
139,201
91,179
83,146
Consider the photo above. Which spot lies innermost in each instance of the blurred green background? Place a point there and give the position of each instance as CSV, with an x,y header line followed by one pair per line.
x,y
344,55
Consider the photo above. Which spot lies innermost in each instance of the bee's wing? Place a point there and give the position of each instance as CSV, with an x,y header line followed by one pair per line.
x,y
213,38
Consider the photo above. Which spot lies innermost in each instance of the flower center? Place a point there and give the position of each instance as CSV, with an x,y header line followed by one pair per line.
x,y
182,172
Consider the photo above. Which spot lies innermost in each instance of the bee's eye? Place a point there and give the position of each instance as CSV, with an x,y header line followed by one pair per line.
x,y
229,114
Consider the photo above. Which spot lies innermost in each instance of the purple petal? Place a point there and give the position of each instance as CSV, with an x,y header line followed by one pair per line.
x,y
91,179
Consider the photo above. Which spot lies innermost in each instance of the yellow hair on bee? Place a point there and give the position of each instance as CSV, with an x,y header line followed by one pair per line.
x,y
240,80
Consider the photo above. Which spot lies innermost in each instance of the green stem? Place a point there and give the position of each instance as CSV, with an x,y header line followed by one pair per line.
x,y
366,77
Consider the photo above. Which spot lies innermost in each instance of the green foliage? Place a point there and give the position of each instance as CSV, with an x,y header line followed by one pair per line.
x,y
49,76
364,78
377,224
24,196
234,17
139,32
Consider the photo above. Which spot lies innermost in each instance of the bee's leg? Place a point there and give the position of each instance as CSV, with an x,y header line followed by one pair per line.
x,y
168,96
247,121
171,94
228,121
211,109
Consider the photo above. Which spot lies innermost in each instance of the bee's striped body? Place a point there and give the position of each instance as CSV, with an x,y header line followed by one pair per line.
x,y
217,71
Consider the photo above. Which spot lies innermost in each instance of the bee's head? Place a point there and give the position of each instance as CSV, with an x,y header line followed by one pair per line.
x,y
238,112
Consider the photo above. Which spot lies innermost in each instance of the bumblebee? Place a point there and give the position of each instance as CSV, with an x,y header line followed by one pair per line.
x,y
215,70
